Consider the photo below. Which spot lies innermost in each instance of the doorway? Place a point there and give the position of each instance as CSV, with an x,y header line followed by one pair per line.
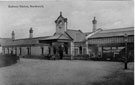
x,y
61,52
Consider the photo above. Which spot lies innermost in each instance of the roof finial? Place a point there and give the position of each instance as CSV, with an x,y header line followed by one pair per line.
x,y
94,17
60,13
13,35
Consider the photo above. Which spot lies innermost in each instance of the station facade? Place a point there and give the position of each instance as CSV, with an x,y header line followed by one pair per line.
x,y
65,41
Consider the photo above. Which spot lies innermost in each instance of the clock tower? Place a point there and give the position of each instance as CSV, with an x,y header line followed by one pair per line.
x,y
61,24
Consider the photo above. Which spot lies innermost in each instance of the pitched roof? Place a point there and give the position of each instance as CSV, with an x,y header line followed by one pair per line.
x,y
93,33
114,32
87,33
25,41
32,41
76,35
57,36
4,40
65,19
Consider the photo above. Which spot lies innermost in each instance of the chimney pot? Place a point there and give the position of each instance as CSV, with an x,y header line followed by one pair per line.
x,y
31,33
94,21
13,35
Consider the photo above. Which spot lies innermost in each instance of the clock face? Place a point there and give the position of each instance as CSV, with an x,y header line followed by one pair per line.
x,y
60,23
60,27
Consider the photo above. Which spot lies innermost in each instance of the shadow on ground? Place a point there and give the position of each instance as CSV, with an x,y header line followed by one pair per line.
x,y
123,77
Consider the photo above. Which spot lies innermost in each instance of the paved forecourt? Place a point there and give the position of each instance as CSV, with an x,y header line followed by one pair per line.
x,y
56,72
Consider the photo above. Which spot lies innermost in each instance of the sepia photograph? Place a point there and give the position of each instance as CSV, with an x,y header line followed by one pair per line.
x,y
67,42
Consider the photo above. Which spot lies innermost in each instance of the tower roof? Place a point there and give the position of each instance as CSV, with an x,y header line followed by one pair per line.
x,y
65,19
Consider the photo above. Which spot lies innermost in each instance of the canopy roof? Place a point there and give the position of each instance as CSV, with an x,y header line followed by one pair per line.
x,y
114,32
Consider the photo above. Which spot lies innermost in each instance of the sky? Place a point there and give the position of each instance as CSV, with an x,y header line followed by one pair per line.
x,y
109,15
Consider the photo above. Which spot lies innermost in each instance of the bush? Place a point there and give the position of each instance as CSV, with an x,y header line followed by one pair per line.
x,y
81,57
6,60
51,57
67,57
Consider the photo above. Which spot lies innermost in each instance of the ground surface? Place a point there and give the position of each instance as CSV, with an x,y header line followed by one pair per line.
x,y
60,72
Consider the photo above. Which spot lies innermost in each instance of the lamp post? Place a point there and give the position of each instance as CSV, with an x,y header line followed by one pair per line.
x,y
126,56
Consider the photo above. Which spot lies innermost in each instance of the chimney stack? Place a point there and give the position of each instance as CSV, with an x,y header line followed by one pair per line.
x,y
94,21
13,35
31,33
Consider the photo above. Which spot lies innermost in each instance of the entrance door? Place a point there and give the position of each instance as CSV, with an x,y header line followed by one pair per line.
x,y
61,52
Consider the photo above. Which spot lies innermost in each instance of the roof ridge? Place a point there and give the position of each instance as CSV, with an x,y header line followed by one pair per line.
x,y
118,28
5,38
59,36
68,35
32,38
87,32
73,29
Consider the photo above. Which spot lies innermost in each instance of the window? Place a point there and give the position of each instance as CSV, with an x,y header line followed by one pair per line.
x,y
76,51
84,50
28,51
20,51
113,47
100,49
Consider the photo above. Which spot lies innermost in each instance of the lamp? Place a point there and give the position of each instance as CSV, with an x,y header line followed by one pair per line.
x,y
126,56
